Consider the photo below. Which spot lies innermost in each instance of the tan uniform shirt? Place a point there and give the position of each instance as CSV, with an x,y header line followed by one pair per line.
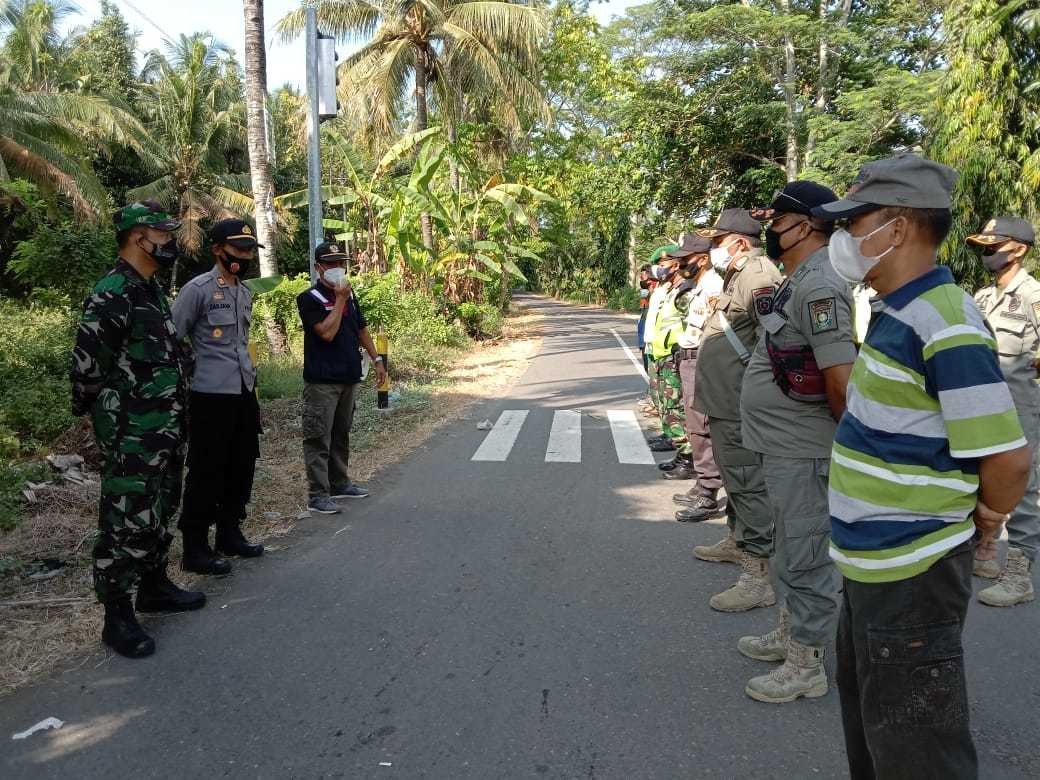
x,y
709,288
1014,315
812,308
747,295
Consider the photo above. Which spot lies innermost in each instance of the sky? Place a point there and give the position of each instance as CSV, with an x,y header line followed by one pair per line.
x,y
156,21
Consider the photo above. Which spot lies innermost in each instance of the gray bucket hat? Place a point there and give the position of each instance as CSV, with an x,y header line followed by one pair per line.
x,y
903,181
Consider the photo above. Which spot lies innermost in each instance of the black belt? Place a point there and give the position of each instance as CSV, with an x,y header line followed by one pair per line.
x,y
688,354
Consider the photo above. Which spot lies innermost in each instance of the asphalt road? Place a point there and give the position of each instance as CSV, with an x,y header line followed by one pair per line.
x,y
480,619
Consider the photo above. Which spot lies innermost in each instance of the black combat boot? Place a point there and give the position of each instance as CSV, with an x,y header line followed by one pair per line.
x,y
684,470
230,541
664,444
681,459
123,633
158,594
199,556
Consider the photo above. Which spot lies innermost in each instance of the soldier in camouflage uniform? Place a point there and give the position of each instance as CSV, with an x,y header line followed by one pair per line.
x,y
128,374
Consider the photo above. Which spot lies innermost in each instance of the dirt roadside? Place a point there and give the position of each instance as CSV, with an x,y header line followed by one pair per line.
x,y
49,620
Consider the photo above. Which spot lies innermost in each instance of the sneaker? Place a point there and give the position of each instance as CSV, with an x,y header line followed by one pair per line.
x,y
323,506
349,491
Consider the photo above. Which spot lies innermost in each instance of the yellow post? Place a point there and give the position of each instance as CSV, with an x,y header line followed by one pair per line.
x,y
383,350
253,353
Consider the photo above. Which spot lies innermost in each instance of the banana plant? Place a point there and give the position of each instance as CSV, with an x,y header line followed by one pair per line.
x,y
362,188
477,226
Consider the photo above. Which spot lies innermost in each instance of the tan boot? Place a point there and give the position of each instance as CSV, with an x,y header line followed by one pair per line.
x,y
752,589
725,551
771,646
802,674
1015,585
986,564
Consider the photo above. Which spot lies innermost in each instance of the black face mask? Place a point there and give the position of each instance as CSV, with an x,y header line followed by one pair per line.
x,y
773,248
164,254
236,265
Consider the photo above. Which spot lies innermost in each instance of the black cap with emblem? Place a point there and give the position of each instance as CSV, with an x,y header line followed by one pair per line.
x,y
797,197
236,232
1001,229
330,252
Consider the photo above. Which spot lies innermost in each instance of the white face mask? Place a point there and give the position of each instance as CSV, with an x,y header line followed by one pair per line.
x,y
720,258
848,260
335,275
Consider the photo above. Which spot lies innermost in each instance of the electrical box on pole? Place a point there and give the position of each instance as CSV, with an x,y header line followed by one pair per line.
x,y
328,105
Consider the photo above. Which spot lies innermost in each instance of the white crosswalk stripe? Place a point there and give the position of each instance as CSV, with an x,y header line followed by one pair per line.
x,y
565,437
499,442
628,438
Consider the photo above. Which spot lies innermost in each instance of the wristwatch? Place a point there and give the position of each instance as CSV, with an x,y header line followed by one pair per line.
x,y
377,359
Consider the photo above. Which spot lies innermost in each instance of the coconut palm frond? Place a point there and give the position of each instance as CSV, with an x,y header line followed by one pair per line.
x,y
38,165
347,20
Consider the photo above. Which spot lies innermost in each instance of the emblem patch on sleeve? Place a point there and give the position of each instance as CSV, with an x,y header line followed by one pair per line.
x,y
1036,310
822,315
763,298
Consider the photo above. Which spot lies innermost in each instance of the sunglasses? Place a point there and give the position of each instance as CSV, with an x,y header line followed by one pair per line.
x,y
769,214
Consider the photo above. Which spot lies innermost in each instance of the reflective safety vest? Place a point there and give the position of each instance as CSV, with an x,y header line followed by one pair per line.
x,y
670,325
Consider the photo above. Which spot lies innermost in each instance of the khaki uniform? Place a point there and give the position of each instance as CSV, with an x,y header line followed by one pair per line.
x,y
697,305
793,433
1014,315
747,295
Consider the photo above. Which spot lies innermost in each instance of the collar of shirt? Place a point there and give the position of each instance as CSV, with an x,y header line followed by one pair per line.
x,y
915,288
815,260
1016,281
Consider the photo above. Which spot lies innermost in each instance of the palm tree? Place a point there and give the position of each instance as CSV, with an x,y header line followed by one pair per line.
x,y
191,100
463,49
47,135
35,55
256,123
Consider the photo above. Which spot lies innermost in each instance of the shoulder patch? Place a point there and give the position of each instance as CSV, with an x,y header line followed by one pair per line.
x,y
763,297
822,315
1036,309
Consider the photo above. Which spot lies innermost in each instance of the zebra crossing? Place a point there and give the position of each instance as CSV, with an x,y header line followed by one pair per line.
x,y
564,444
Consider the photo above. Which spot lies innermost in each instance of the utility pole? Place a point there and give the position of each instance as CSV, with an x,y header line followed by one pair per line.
x,y
314,217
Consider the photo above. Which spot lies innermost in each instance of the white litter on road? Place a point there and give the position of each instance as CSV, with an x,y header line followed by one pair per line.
x,y
385,763
43,725
487,425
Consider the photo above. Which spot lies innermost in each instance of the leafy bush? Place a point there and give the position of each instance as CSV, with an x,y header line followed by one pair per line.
x,y
624,299
279,305
60,254
35,349
481,320
404,316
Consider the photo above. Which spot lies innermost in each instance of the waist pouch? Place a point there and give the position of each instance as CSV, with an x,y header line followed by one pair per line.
x,y
796,373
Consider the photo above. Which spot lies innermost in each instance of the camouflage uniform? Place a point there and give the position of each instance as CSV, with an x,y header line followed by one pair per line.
x,y
128,372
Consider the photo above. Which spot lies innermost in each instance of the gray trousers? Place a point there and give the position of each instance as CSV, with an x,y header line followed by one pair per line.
x,y
805,576
697,436
747,506
1024,526
328,415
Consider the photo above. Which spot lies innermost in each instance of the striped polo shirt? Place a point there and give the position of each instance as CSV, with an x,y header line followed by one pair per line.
x,y
926,401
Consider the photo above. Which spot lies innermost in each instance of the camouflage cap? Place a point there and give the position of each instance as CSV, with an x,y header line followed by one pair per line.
x,y
146,212
658,254
1001,229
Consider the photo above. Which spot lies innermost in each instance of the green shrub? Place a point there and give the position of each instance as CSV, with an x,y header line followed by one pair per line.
x,y
481,320
624,299
279,306
65,256
35,355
